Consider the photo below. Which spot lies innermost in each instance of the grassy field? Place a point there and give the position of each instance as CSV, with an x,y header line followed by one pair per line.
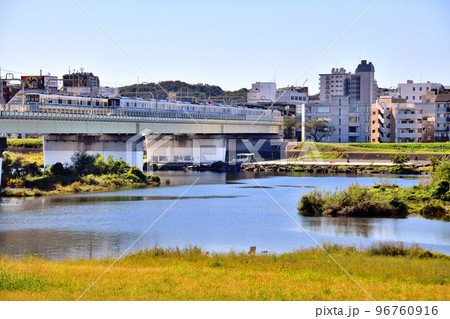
x,y
190,274
335,151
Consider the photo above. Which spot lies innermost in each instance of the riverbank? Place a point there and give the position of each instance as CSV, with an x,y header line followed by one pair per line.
x,y
390,272
429,200
24,176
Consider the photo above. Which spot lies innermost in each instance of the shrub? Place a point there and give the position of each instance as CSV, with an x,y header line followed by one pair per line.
x,y
434,210
442,171
57,169
15,183
311,204
434,162
399,159
388,248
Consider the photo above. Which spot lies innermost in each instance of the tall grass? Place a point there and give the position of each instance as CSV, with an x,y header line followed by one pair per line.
x,y
390,272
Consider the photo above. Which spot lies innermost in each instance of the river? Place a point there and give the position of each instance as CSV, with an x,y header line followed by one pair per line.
x,y
221,212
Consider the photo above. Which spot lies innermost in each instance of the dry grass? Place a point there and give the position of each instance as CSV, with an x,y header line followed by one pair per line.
x,y
192,275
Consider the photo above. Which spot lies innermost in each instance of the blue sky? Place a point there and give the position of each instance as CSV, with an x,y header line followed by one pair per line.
x,y
227,43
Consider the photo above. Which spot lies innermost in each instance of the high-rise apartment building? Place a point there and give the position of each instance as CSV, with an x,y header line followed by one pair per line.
x,y
360,87
345,102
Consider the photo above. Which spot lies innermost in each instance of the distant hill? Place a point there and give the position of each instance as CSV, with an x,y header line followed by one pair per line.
x,y
182,91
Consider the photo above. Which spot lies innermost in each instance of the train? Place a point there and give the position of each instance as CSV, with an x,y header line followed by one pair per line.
x,y
125,106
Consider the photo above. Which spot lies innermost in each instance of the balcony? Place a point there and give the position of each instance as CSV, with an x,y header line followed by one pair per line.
x,y
441,138
402,116
409,125
442,119
408,135
442,129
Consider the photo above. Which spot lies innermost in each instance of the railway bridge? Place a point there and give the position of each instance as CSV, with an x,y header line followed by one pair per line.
x,y
167,137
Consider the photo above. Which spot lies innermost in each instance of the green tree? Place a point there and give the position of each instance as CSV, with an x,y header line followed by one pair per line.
x,y
289,125
399,159
83,163
319,129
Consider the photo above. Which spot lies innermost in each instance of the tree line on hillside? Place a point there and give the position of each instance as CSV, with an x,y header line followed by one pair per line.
x,y
182,91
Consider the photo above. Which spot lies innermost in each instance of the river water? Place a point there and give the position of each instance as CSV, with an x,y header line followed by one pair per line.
x,y
221,212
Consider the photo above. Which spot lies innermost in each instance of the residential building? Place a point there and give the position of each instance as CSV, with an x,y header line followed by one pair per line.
x,y
442,119
360,87
395,121
291,94
386,93
351,121
413,92
345,102
262,92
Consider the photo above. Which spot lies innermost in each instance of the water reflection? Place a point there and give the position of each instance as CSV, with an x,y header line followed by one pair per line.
x,y
220,212
342,226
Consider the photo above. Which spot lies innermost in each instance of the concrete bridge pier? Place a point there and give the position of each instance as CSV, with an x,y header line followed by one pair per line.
x,y
209,148
186,148
60,148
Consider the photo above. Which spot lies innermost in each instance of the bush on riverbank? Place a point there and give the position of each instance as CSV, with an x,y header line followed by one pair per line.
x,y
430,201
356,201
85,173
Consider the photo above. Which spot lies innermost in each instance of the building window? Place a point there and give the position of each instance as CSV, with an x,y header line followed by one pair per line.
x,y
414,97
414,88
420,88
407,97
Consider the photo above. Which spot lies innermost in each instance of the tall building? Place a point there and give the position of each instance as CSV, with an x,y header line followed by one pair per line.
x,y
360,87
345,102
350,121
413,92
262,92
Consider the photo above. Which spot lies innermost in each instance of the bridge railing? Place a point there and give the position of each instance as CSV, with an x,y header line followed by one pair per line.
x,y
42,111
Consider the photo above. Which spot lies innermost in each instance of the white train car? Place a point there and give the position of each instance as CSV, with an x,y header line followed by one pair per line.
x,y
125,106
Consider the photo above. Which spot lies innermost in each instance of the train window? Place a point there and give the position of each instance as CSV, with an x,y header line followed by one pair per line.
x,y
69,101
88,103
49,101
97,103
59,101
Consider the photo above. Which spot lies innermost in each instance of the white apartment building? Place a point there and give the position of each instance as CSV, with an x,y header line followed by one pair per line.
x,y
413,92
351,122
292,95
335,83
262,92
